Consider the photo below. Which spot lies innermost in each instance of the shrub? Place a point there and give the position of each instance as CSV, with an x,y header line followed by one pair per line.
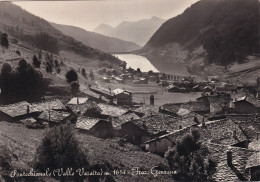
x,y
71,76
191,160
18,52
60,149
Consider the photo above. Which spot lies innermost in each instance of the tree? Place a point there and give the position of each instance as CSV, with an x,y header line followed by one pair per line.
x,y
71,76
56,63
58,70
91,75
4,40
150,72
60,149
74,87
22,66
84,74
48,68
36,62
258,82
5,78
191,160
138,70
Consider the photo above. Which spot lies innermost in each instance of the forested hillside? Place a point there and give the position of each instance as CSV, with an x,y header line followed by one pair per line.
x,y
226,29
39,33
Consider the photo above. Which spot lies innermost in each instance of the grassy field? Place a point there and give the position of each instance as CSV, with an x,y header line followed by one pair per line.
x,y
22,143
142,92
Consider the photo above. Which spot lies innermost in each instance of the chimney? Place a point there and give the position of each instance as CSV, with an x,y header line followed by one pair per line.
x,y
229,158
28,109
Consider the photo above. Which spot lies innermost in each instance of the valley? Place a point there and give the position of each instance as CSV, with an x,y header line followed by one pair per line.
x,y
172,96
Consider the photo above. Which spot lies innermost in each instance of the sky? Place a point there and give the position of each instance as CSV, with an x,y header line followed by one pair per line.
x,y
90,14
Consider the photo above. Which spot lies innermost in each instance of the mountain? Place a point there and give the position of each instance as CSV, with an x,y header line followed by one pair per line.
x,y
103,29
217,32
40,34
95,40
139,32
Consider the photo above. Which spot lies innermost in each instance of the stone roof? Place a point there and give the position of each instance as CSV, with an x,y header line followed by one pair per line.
x,y
249,124
82,107
194,106
253,160
15,110
91,94
175,135
101,90
20,108
78,100
162,122
28,120
222,131
147,110
54,116
254,101
219,98
117,122
110,110
254,145
86,123
54,104
183,112
239,160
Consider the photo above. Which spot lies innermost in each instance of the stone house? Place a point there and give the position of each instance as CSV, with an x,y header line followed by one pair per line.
x,y
94,126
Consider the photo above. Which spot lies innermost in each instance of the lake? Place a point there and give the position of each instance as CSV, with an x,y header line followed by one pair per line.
x,y
136,61
155,64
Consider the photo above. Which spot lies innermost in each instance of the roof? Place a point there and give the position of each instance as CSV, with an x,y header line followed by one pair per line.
x,y
110,110
221,98
147,110
54,104
28,120
254,101
78,100
91,94
253,160
193,106
162,122
101,90
125,118
223,131
86,123
249,124
54,116
15,110
183,112
174,135
254,145
239,160
82,107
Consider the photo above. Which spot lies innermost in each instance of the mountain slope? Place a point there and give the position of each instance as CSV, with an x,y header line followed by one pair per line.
x,y
219,31
41,34
95,40
138,32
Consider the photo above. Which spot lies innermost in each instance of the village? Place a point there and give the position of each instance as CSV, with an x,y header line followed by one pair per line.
x,y
226,115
